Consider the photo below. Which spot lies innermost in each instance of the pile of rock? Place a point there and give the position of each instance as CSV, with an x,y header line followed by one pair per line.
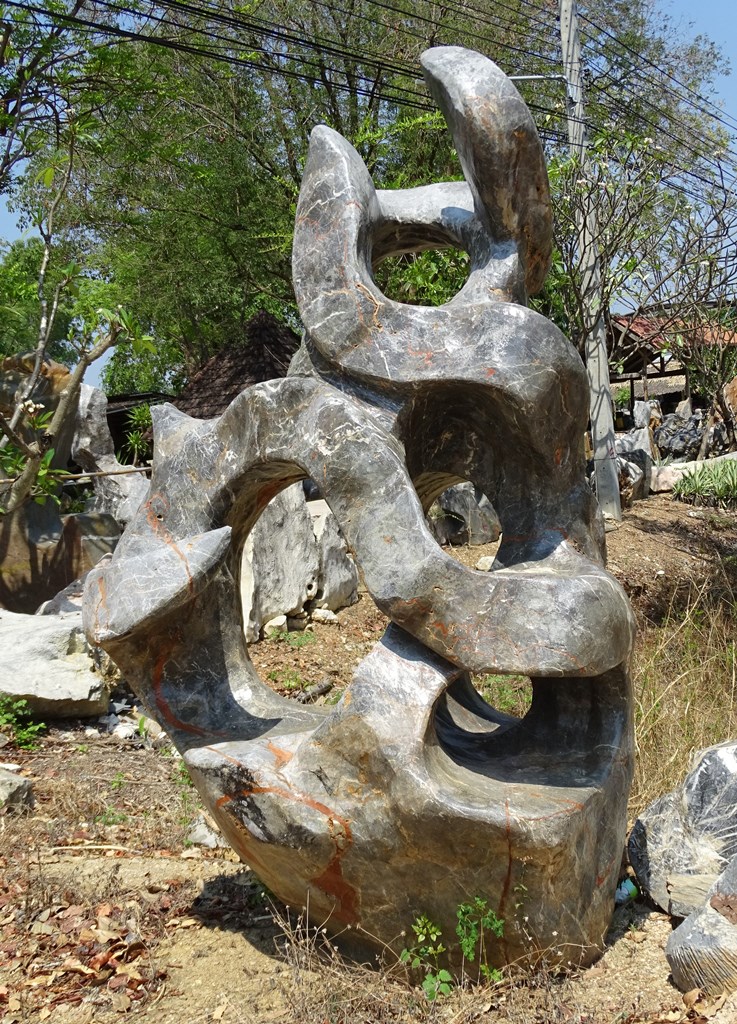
x,y
684,852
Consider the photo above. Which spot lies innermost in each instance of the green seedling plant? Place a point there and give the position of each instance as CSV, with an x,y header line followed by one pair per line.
x,y
118,781
183,780
424,956
287,679
476,922
110,816
295,640
16,716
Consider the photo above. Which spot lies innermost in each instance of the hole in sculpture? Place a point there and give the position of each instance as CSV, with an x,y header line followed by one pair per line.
x,y
510,694
429,278
295,577
465,523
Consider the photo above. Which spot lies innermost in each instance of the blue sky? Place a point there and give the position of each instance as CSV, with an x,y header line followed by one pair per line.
x,y
716,19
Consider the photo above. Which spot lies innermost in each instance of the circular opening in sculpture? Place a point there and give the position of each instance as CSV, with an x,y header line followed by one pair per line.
x,y
462,518
429,278
296,577
509,694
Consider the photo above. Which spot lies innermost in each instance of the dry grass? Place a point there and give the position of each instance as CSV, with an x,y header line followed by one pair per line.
x,y
685,687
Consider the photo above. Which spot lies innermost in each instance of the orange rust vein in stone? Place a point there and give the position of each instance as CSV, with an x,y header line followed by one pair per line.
x,y
427,355
281,757
158,528
302,798
376,304
102,604
157,679
331,880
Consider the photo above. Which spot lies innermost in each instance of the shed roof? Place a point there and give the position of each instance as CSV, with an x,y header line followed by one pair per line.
x,y
264,354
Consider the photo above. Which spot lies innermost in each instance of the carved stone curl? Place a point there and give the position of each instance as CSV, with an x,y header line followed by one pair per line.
x,y
411,795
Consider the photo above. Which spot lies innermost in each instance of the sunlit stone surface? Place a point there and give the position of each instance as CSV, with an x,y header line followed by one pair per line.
x,y
411,795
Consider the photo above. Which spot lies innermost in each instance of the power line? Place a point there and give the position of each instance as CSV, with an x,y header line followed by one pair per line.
x,y
641,58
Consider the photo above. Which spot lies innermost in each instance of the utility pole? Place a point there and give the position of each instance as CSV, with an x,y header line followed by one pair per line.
x,y
597,366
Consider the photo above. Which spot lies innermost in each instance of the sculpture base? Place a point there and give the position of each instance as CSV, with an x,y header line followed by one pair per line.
x,y
412,796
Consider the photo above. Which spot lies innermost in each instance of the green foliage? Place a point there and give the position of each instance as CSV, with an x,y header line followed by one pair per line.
x,y
713,483
424,955
111,816
423,279
138,432
477,922
16,716
622,398
187,796
19,308
287,679
294,639
118,781
48,479
510,694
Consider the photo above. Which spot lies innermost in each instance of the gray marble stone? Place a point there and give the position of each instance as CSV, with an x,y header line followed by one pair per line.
x,y
411,795
15,790
691,831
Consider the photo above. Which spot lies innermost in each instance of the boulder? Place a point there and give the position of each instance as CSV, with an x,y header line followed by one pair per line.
x,y
15,790
702,951
295,559
93,449
691,831
680,437
338,576
42,552
69,600
464,515
631,481
280,567
46,662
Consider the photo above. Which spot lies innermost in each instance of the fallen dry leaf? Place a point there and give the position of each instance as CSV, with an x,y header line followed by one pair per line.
x,y
691,997
121,1002
217,1014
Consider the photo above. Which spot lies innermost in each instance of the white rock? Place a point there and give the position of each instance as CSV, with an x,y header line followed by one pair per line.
x,y
338,574
15,790
278,622
324,615
485,563
124,731
295,559
280,567
46,662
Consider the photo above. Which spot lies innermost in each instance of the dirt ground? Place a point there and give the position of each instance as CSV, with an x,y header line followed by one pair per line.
x,y
108,911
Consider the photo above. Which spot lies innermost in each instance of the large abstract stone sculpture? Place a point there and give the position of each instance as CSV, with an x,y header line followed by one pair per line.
x,y
411,795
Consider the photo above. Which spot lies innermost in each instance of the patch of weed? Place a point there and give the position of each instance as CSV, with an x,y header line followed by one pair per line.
x,y
16,716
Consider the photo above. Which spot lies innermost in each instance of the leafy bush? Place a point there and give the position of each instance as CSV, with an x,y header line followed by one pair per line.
x,y
711,484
